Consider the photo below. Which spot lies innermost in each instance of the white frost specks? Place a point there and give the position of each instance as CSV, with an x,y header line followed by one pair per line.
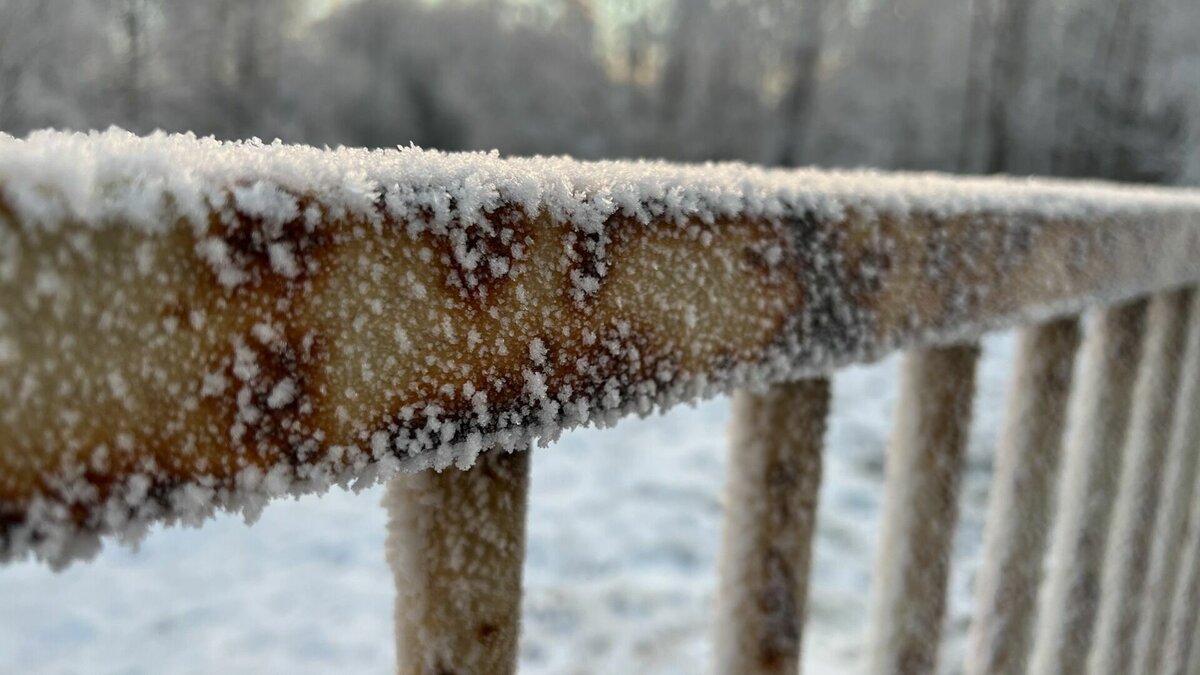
x,y
48,284
116,177
379,444
8,351
283,260
245,362
117,385
537,352
498,265
214,384
264,199
125,443
535,385
265,333
773,255
277,481
215,252
403,344
282,394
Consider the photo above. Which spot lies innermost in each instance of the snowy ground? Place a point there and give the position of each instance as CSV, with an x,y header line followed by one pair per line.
x,y
624,526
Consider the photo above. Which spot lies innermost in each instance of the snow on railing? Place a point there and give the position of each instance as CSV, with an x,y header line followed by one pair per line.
x,y
188,325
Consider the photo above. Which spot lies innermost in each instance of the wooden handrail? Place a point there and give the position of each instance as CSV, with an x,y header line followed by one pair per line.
x,y
188,325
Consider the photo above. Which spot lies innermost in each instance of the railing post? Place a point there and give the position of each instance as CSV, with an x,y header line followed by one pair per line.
x,y
770,515
1097,423
1019,504
924,467
1179,482
1179,653
1126,556
456,545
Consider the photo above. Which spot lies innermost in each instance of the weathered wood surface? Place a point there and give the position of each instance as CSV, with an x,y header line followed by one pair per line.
x,y
771,499
1131,535
923,473
1179,653
1021,500
456,546
1098,424
259,337
1172,522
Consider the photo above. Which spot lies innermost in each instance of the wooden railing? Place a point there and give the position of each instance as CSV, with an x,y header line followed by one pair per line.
x,y
187,325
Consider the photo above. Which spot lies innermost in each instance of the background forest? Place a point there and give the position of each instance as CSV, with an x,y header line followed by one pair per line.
x,y
1104,88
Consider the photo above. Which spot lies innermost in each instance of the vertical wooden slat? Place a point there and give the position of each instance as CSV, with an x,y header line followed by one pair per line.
x,y
770,515
1126,555
924,467
456,545
1194,669
1179,653
1097,423
1178,483
1019,507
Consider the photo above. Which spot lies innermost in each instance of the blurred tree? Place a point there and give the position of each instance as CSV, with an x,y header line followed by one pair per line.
x,y
800,92
49,57
1076,87
220,62
1005,80
1107,125
134,17
896,99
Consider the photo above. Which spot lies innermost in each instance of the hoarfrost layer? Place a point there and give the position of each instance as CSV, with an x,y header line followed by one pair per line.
x,y
187,324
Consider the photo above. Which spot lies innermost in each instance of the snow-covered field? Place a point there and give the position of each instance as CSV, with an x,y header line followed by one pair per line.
x,y
624,526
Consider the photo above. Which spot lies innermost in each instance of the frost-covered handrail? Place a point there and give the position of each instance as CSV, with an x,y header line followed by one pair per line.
x,y
188,325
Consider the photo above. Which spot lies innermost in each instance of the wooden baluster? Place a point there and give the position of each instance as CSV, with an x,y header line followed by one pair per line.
x,y
1126,555
1097,423
456,545
770,515
1019,508
924,467
1172,522
1194,652
1179,653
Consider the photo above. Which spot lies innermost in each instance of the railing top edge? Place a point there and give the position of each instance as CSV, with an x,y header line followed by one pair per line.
x,y
102,178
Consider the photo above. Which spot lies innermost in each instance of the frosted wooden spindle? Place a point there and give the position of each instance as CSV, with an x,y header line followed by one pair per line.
x,y
771,502
1126,555
1018,515
1096,429
456,545
1179,653
1178,483
1194,668
924,466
